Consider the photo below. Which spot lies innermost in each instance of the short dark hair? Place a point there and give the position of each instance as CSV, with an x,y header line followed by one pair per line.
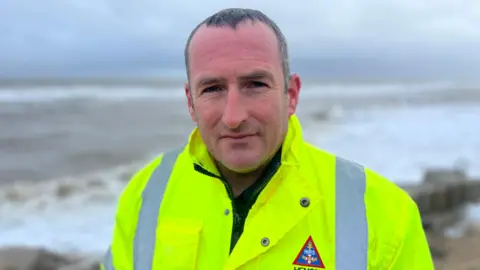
x,y
232,17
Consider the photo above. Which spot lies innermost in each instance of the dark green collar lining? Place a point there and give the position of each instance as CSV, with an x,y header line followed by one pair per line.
x,y
242,204
251,193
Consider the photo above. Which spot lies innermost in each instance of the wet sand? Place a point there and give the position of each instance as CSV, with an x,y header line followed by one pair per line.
x,y
462,253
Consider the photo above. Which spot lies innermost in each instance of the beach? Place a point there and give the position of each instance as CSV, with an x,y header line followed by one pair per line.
x,y
66,152
459,253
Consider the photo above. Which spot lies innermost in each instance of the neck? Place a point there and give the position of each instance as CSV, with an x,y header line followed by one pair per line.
x,y
239,182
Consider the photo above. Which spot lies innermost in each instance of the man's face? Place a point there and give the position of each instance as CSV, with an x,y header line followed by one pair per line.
x,y
237,93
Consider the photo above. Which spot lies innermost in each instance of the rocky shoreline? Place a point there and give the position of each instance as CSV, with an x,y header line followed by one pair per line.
x,y
35,258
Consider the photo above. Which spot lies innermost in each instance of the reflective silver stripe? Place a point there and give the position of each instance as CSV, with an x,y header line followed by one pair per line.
x,y
351,229
144,243
108,262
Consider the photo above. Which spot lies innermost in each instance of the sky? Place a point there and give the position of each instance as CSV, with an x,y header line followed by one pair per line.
x,y
333,38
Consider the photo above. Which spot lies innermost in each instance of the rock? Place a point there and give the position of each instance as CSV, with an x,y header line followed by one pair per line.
x,y
447,176
83,265
439,199
473,190
14,196
423,200
473,229
32,258
439,222
436,243
96,183
451,188
65,190
335,111
442,196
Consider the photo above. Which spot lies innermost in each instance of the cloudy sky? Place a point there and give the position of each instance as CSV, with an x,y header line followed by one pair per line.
x,y
88,37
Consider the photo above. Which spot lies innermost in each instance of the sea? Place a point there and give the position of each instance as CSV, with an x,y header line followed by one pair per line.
x,y
67,151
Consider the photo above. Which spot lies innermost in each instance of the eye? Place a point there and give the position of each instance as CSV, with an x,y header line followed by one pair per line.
x,y
212,89
256,84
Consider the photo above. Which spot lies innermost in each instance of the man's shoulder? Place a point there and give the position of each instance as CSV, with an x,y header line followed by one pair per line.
x,y
382,195
318,155
377,184
391,214
381,189
378,188
391,208
140,178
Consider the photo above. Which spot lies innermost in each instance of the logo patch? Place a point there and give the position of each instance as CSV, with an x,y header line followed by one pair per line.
x,y
309,255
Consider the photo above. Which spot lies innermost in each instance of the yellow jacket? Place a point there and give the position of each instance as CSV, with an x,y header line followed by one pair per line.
x,y
318,211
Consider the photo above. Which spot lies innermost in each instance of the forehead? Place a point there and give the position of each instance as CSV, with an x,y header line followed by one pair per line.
x,y
222,50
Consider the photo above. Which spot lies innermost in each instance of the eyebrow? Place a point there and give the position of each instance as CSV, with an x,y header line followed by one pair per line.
x,y
254,75
209,80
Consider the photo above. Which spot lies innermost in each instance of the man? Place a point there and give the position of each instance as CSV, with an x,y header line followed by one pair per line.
x,y
247,192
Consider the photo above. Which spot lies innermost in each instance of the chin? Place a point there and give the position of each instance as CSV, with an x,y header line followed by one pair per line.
x,y
243,169
241,165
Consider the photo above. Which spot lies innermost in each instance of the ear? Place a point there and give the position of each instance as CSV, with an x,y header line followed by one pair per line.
x,y
293,92
191,109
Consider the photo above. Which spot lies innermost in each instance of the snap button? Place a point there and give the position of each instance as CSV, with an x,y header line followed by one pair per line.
x,y
226,212
265,241
305,202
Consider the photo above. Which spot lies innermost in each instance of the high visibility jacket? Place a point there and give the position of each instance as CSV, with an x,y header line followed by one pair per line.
x,y
318,211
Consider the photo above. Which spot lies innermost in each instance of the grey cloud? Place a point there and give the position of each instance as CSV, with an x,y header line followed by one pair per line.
x,y
122,35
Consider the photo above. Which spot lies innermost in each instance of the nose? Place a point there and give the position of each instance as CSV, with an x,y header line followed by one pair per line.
x,y
234,113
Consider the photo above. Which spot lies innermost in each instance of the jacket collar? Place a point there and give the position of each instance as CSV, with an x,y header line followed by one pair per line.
x,y
291,148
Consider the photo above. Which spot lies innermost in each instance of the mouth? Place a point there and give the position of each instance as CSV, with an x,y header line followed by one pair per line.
x,y
238,136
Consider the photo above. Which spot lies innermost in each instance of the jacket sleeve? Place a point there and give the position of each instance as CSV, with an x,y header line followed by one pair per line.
x,y
119,255
413,252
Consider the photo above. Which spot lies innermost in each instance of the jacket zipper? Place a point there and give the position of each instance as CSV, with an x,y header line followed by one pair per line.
x,y
201,170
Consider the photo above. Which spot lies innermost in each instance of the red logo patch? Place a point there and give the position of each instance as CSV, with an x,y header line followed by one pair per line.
x,y
309,255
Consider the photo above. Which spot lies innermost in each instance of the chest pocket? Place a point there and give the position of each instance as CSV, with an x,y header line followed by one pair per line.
x,y
177,244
